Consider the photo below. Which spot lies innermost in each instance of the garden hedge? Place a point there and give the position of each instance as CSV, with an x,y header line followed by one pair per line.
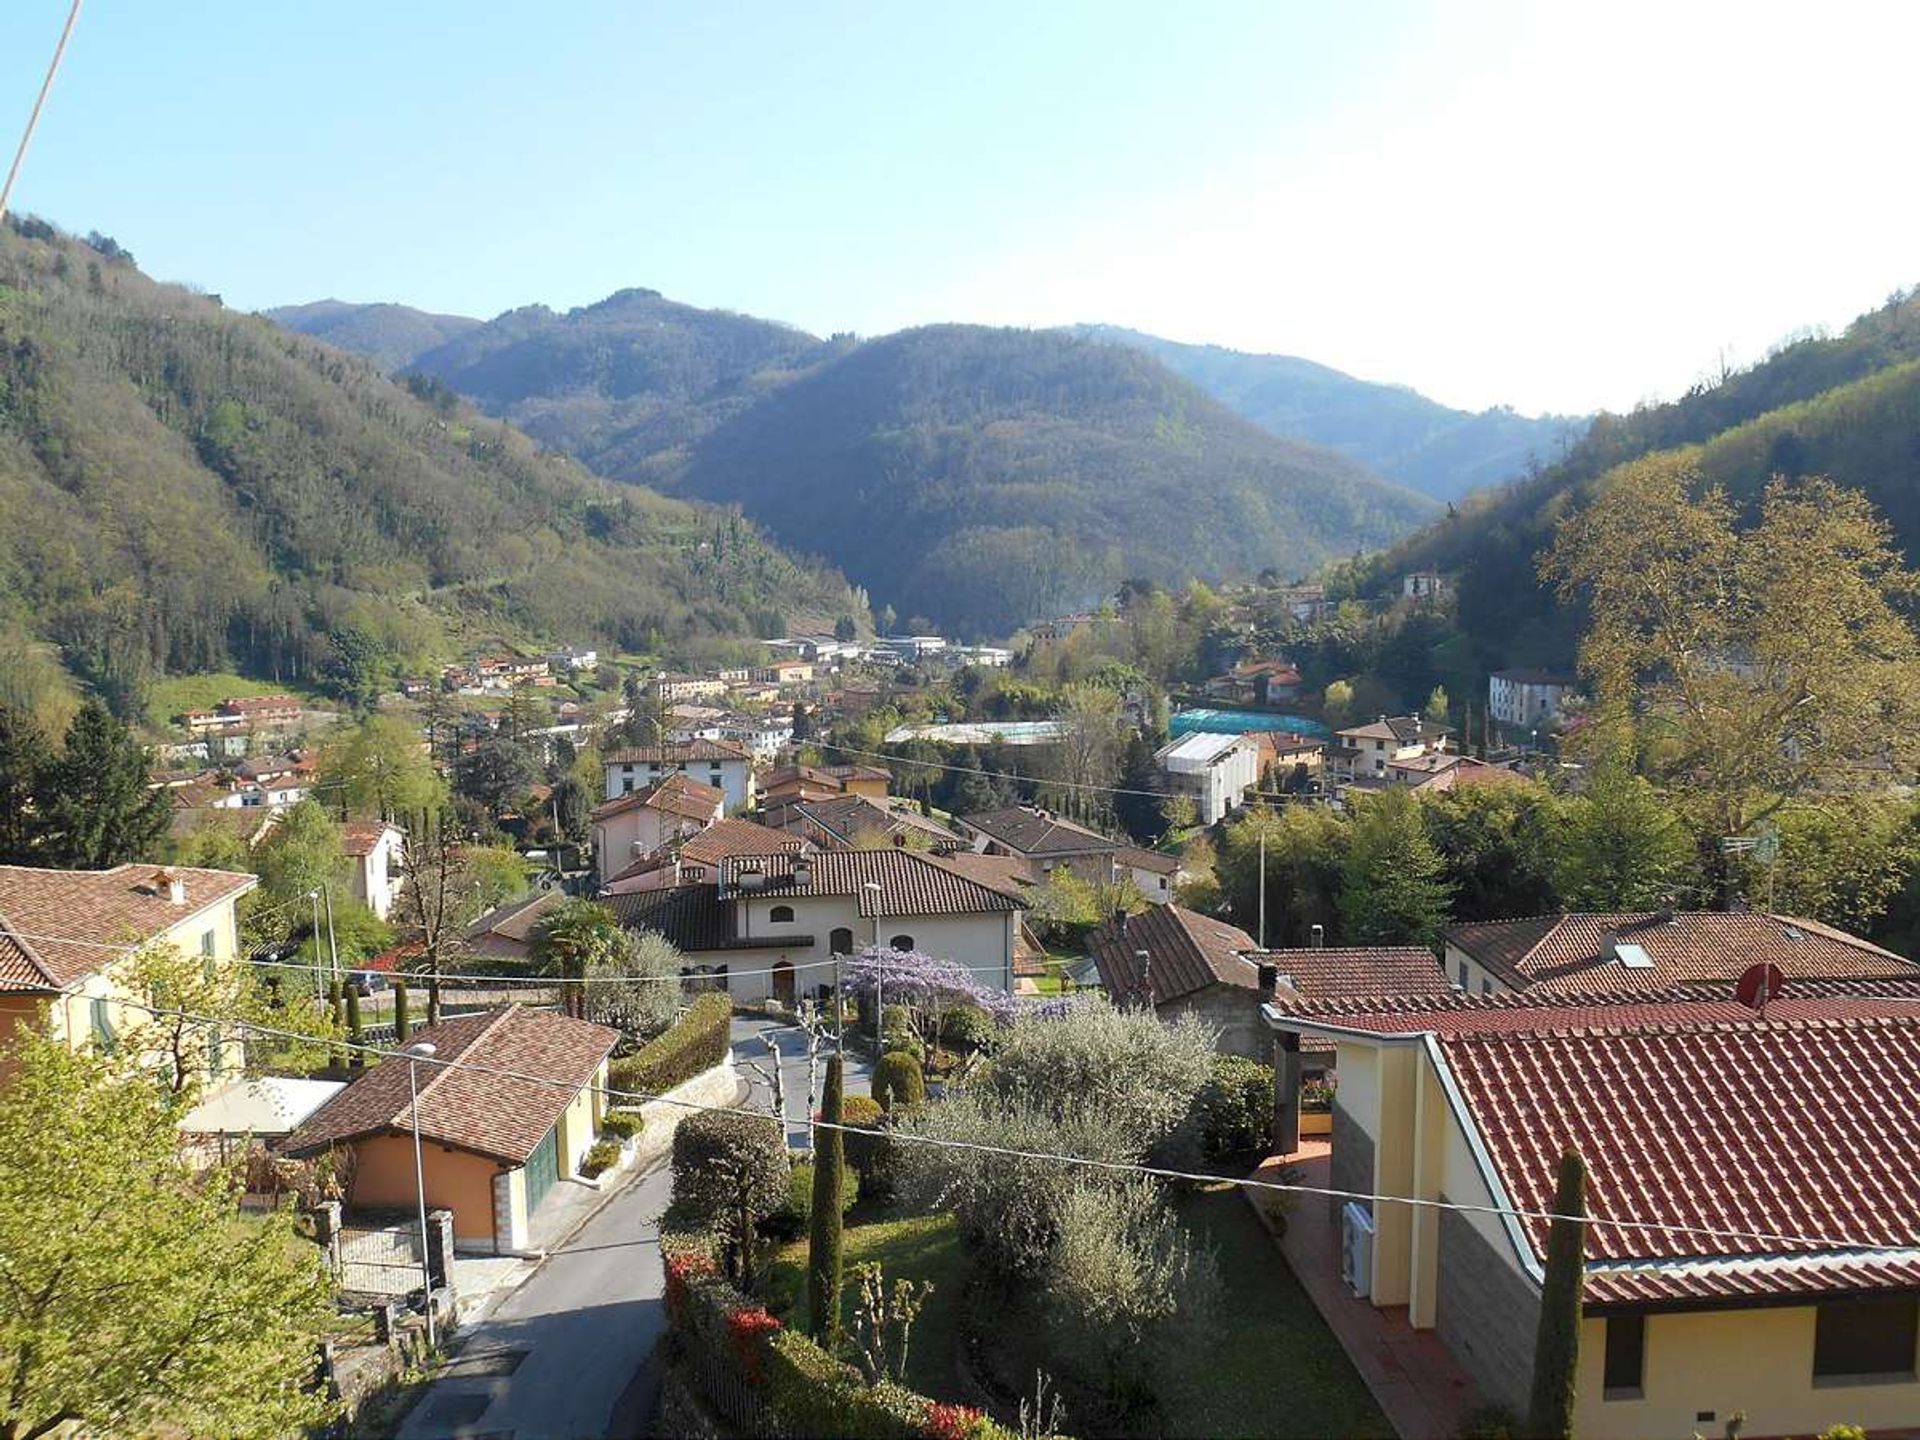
x,y
695,1042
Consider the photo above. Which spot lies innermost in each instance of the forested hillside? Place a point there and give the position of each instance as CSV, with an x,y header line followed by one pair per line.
x,y
1420,443
389,335
623,384
187,489
1847,407
980,477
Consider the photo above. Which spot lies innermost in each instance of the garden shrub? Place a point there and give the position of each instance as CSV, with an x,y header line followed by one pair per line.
x,y
693,1044
899,1084
790,1221
1489,1422
622,1124
967,1027
729,1175
1235,1108
868,1148
601,1155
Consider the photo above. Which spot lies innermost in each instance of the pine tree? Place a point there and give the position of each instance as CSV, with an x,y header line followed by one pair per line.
x,y
24,754
402,1024
1556,1348
824,1244
95,810
1393,889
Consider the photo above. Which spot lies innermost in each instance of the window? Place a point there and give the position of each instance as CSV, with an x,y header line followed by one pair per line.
x,y
781,915
206,943
102,1020
1626,1357
1463,974
1486,986
901,942
1861,1339
840,941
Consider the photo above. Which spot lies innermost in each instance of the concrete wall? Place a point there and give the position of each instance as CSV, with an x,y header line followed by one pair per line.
x,y
1234,1012
1758,1361
455,1180
580,1123
1470,975
1352,1161
983,942
1486,1314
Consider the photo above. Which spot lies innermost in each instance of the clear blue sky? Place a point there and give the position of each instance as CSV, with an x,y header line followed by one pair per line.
x,y
1556,207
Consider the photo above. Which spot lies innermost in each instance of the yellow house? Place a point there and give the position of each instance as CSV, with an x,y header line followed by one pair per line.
x,y
63,934
1754,1194
508,1104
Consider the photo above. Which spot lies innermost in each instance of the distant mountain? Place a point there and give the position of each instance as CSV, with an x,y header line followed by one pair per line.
x,y
1847,407
389,335
624,384
1406,437
188,489
981,477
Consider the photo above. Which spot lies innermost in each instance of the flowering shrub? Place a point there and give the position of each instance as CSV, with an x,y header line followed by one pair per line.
x,y
925,985
746,1327
1317,1095
685,1259
951,1422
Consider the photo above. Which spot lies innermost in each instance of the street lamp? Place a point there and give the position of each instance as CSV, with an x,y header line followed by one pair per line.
x,y
879,969
425,1050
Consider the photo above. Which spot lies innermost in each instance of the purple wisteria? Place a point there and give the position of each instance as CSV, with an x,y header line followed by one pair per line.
x,y
921,982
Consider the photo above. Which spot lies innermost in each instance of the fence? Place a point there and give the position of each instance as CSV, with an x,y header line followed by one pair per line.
x,y
380,1260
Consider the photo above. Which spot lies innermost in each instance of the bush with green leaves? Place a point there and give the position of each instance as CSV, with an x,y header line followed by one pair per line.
x,y
968,1028
729,1175
899,1084
622,1124
696,1042
1234,1109
791,1220
869,1149
601,1155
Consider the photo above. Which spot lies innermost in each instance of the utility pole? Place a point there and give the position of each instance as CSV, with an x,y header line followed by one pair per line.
x,y
33,117
1263,886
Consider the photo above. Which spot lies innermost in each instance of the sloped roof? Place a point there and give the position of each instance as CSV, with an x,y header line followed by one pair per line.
x,y
516,919
1795,1132
58,926
713,844
1404,729
1039,832
360,839
677,794
693,917
851,816
1347,971
909,883
1568,952
1188,951
489,1114
693,750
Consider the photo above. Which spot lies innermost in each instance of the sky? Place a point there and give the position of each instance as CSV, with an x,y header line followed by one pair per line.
x,y
1556,207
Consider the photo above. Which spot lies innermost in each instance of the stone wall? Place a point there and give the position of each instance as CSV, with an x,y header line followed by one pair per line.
x,y
718,1086
1235,1013
1352,1164
1486,1314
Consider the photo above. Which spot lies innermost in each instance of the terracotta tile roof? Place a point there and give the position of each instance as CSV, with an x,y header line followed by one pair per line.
x,y
1346,971
1470,772
851,816
693,917
54,923
674,795
1154,860
515,921
693,750
1402,729
1002,872
1568,952
1520,1014
492,1115
361,838
1798,1129
714,844
1189,952
1039,832
910,883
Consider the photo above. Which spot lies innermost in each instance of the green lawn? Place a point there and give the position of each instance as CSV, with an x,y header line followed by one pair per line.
x,y
920,1247
1269,1343
177,694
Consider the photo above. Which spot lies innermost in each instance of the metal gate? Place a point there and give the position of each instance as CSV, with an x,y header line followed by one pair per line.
x,y
383,1260
543,1169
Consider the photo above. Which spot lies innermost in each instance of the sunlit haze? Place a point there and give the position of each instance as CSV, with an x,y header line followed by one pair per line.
x,y
1553,207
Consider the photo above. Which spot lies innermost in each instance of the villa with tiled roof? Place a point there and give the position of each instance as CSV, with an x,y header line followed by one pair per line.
x,y
1753,1193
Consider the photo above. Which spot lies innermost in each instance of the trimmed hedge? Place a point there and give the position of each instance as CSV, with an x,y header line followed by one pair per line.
x,y
899,1083
601,1155
695,1042
768,1380
622,1124
1235,1107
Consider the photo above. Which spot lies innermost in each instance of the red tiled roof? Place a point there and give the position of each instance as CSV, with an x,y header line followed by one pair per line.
x,y
1189,952
493,1115
57,926
360,839
716,843
1795,1131
693,750
1348,971
1568,952
675,795
1039,832
910,883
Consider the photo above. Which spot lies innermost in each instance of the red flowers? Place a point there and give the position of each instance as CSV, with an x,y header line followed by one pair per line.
x,y
682,1266
949,1422
748,1326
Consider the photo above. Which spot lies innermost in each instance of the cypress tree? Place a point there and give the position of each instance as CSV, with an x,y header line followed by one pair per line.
x,y
356,1032
1556,1348
402,1027
824,1243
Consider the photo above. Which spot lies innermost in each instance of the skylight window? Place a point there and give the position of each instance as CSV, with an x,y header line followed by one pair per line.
x,y
1634,957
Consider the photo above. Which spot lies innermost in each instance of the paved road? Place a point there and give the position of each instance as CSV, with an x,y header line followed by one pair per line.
x,y
750,1038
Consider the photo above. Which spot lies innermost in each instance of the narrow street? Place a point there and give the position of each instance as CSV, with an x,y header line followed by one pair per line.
x,y
568,1356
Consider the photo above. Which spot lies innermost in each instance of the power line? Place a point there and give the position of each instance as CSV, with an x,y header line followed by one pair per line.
x,y
1106,1166
33,117
995,774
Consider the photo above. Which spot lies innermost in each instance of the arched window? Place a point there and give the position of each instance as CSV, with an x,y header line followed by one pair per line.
x,y
840,941
781,915
901,942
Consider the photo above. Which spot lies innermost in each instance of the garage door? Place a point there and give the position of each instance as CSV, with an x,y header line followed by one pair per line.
x,y
543,1169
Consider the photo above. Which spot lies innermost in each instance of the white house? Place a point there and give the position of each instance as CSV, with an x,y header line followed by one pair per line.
x,y
373,859
1425,585
725,766
1216,771
646,822
1527,697
1366,751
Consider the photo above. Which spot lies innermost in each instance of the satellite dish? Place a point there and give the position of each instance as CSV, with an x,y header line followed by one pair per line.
x,y
1760,983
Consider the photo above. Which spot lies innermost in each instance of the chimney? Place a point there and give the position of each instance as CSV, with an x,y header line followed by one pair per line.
x,y
176,886
1610,946
802,870
1319,938
1266,978
750,877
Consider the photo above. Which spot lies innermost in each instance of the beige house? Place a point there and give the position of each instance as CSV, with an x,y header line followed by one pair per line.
x,y
696,860
642,823
494,1146
1045,841
1774,1156
64,932
1365,752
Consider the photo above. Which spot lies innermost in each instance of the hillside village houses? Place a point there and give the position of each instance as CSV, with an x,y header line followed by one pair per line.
x,y
1369,752
719,764
1044,841
1527,699
646,822
1214,771
373,850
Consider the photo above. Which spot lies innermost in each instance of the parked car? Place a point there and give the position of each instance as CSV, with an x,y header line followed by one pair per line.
x,y
367,982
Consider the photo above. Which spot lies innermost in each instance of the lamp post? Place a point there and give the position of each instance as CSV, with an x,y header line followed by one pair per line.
x,y
425,1050
872,887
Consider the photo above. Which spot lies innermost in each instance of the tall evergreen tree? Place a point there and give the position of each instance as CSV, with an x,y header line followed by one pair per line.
x,y
1556,1349
825,1243
24,754
1393,889
1140,814
92,804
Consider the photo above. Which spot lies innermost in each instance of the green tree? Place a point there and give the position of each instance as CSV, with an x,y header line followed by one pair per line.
x,y
1393,889
1306,848
1337,704
93,807
1556,1348
1498,843
1622,847
381,772
576,937
138,1300
402,1022
825,1243
302,854
24,754
1436,710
